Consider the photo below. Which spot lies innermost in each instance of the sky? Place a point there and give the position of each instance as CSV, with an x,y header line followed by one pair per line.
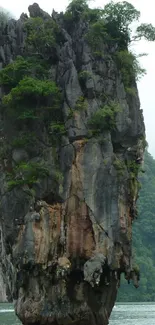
x,y
146,85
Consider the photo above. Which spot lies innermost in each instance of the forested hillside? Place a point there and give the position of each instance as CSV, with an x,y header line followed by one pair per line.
x,y
144,239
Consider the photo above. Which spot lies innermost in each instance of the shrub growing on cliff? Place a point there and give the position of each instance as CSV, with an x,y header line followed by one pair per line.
x,y
133,168
129,67
84,75
26,174
56,131
119,166
79,9
104,118
24,140
134,185
15,71
97,34
144,238
42,36
30,95
74,12
81,104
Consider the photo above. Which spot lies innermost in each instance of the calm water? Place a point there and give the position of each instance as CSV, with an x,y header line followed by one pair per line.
x,y
133,314
123,314
7,316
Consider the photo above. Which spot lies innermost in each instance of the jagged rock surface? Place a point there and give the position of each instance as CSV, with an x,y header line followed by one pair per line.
x,y
70,244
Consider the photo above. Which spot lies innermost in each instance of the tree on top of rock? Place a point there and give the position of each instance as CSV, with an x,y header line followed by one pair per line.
x,y
116,18
119,17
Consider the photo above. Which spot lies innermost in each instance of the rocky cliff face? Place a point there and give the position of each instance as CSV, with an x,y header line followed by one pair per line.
x,y
66,239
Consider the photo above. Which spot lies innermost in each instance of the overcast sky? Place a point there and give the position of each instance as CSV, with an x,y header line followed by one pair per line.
x,y
147,84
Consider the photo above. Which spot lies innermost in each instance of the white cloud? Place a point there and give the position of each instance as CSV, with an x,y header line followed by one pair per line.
x,y
19,6
147,84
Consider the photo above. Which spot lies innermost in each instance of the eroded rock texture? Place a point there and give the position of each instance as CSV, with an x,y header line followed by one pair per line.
x,y
63,249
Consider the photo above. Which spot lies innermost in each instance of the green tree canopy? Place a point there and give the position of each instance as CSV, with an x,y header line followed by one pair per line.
x,y
77,6
120,16
121,13
117,18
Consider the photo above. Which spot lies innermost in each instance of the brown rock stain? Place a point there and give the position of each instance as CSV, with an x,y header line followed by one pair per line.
x,y
54,221
80,234
41,239
55,212
46,233
125,219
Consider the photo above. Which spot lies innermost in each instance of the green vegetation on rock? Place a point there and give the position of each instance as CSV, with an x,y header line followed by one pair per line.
x,y
42,36
32,98
23,140
29,99
119,17
111,24
143,239
14,72
119,166
26,174
97,35
84,75
129,67
105,118
81,104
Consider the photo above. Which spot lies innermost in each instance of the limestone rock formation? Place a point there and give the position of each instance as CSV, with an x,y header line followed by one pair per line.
x,y
66,239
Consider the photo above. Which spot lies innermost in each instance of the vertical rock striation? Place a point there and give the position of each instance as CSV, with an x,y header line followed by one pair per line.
x,y
64,247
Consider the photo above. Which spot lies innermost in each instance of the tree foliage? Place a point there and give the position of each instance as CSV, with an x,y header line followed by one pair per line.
x,y
31,94
39,32
121,13
120,16
114,21
11,75
143,239
97,34
42,36
129,67
105,118
77,7
145,31
30,101
27,174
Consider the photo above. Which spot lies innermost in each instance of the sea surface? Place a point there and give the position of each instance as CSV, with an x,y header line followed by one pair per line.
x,y
123,314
